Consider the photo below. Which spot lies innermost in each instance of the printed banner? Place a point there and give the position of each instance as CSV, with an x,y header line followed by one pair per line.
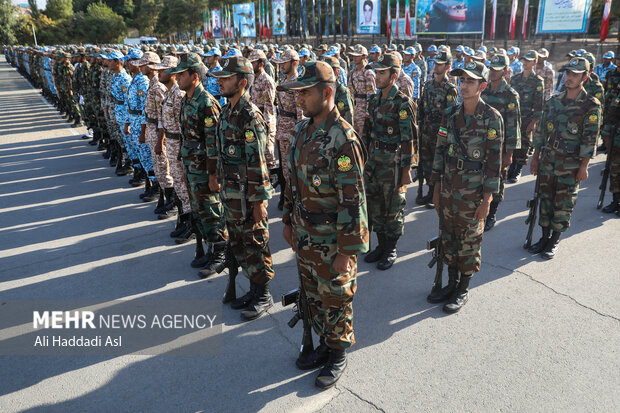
x,y
244,20
449,16
402,26
563,16
279,17
368,12
216,21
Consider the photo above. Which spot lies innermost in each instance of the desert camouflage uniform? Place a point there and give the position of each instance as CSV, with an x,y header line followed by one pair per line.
x,y
405,85
362,86
263,95
152,107
548,75
289,113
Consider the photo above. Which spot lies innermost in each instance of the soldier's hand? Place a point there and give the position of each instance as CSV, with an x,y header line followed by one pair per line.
x,y
259,211
287,232
126,130
531,126
142,138
159,148
534,166
405,178
342,264
483,210
214,185
582,174
436,192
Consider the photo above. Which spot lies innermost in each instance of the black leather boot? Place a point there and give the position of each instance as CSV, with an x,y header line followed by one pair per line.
x,y
172,206
538,247
429,197
113,154
183,223
188,232
103,144
445,293
377,253
460,297
138,178
490,221
76,123
419,199
261,302
516,174
154,192
319,356
614,206
333,369
126,169
552,246
159,208
217,260
389,254
245,300
148,188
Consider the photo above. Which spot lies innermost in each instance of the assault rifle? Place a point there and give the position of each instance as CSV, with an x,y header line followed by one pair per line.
x,y
301,312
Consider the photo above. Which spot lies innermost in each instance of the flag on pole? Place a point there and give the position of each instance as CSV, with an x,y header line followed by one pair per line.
x,y
407,19
326,18
341,19
605,21
524,26
493,18
513,18
333,18
397,15
389,21
268,24
349,25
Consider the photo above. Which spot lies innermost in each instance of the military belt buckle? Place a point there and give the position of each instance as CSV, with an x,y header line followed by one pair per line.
x,y
459,164
377,144
556,144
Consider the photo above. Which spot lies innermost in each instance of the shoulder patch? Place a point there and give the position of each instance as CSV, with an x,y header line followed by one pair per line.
x,y
403,114
539,88
316,180
511,106
593,118
340,105
450,98
249,136
209,122
344,163
492,134
442,131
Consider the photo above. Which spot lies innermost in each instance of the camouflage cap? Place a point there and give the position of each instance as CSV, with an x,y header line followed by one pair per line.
x,y
310,74
577,65
332,61
387,61
322,48
590,58
168,62
149,58
531,55
544,53
443,57
257,55
476,70
287,56
499,62
187,61
232,66
359,50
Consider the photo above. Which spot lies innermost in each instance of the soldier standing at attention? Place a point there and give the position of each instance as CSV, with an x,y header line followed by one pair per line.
x,y
288,111
244,177
344,102
564,143
412,70
362,85
545,70
118,87
324,217
505,100
466,174
438,97
611,135
210,83
390,134
530,87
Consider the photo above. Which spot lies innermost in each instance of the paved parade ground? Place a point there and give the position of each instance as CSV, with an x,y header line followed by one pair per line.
x,y
536,336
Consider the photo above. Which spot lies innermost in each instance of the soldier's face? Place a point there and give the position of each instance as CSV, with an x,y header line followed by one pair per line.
x,y
470,87
229,86
407,58
184,80
528,65
440,68
383,78
358,60
163,76
574,80
286,67
374,56
495,74
312,101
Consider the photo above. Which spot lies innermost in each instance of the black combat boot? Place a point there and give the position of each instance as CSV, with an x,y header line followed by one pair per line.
x,y
490,222
76,123
103,144
188,232
154,193
429,197
200,257
179,226
419,199
139,177
126,169
282,189
217,260
614,206
319,356
261,302
445,293
552,246
148,188
245,300
95,140
516,174
377,253
172,201
460,297
542,242
113,153
159,208
333,369
389,254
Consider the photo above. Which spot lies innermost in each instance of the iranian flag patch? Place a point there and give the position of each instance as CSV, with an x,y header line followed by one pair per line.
x,y
442,131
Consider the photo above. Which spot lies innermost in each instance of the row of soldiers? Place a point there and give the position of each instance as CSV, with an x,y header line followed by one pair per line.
x,y
347,155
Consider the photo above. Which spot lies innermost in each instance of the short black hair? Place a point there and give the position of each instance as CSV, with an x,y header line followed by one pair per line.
x,y
247,76
368,3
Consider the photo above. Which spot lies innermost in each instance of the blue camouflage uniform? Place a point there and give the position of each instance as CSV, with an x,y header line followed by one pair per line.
x,y
136,99
118,90
413,71
601,70
210,84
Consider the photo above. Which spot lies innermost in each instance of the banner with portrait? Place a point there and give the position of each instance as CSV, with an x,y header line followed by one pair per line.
x,y
563,16
244,20
279,17
216,22
368,14
449,16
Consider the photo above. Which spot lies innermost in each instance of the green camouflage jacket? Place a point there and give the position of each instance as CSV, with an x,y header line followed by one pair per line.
x,y
506,101
531,90
437,99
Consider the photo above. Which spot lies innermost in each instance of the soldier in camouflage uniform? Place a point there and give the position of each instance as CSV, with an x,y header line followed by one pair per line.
x,y
530,87
505,100
466,175
545,70
66,75
93,99
246,189
390,134
119,82
344,102
79,86
564,143
325,220
611,135
439,96
362,86
593,85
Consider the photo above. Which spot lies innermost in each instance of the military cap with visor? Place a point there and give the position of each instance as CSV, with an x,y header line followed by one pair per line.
x,y
233,66
310,74
475,70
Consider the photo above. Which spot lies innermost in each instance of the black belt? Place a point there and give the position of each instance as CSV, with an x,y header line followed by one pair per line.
x,y
191,144
134,112
151,120
287,114
563,146
462,164
385,146
172,135
315,219
218,97
231,168
118,102
360,96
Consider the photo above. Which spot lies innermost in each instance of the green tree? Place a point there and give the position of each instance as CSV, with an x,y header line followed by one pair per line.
x,y
146,16
7,22
102,24
59,9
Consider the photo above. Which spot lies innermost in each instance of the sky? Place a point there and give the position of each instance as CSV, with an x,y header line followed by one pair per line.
x,y
40,3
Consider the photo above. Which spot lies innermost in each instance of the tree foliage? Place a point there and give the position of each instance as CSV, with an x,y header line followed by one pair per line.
x,y
59,9
8,22
102,24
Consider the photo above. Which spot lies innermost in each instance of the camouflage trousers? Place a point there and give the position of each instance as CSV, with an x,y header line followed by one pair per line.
x,y
143,149
115,133
206,206
428,141
179,180
131,146
499,197
461,234
330,295
285,148
614,171
386,207
521,155
249,241
359,116
270,150
160,162
558,189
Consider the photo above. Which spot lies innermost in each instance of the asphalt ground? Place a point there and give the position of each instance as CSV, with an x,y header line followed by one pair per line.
x,y
536,336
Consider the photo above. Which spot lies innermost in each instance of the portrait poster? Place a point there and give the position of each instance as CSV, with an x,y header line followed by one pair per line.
x,y
368,16
279,17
